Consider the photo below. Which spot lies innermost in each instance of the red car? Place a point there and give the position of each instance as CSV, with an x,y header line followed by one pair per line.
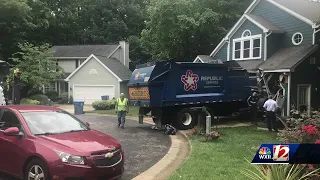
x,y
47,143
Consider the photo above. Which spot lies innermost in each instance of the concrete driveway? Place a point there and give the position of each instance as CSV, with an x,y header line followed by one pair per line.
x,y
142,146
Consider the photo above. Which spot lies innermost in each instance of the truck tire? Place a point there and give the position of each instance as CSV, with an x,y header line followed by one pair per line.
x,y
185,119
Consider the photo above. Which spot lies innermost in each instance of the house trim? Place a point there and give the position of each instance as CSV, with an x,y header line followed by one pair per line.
x,y
228,49
256,23
277,70
251,39
248,10
88,59
289,95
314,36
266,45
198,59
119,89
302,18
114,51
68,57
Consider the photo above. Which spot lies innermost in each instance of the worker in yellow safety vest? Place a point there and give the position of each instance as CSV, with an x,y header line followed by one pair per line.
x,y
122,108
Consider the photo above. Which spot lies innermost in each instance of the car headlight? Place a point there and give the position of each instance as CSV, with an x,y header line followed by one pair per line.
x,y
70,159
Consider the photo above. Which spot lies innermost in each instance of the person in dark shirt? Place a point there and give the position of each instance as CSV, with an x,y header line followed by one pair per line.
x,y
253,103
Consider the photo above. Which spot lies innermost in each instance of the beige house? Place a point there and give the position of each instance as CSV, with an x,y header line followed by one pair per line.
x,y
92,71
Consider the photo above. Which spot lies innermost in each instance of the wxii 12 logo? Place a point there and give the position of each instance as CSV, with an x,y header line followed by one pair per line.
x,y
279,153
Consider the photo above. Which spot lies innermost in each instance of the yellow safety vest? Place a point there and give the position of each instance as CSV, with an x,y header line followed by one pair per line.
x,y
122,105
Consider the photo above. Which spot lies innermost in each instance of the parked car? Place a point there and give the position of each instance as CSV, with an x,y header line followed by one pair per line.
x,y
43,142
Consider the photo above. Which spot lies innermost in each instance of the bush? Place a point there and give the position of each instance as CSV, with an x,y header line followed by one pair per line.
x,y
29,101
104,104
302,129
53,95
63,98
43,99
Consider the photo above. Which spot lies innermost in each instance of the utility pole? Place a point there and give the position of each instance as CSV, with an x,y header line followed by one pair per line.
x,y
16,86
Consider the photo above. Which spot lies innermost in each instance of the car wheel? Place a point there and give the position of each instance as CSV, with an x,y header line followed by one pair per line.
x,y
36,170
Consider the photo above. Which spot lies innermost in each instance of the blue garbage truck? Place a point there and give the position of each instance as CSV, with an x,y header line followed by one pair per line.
x,y
172,90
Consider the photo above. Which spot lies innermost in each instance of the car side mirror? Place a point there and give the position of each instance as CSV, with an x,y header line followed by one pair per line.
x,y
12,131
87,124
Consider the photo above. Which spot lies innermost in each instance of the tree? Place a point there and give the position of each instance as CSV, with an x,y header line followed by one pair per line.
x,y
182,29
36,65
15,22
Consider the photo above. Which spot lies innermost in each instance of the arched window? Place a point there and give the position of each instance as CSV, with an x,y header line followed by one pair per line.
x,y
246,33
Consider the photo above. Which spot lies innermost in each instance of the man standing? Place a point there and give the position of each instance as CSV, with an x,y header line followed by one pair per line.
x,y
271,106
253,103
122,108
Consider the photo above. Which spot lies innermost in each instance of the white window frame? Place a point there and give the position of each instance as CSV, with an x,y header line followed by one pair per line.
x,y
293,37
247,30
241,40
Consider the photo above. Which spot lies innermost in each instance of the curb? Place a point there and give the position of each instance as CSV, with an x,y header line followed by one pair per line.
x,y
179,151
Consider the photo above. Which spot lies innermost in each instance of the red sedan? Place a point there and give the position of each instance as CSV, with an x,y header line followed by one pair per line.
x,y
43,143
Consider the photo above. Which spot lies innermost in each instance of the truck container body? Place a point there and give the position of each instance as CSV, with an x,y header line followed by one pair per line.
x,y
171,90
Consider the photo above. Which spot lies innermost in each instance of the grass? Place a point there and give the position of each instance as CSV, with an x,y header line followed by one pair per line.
x,y
224,158
133,111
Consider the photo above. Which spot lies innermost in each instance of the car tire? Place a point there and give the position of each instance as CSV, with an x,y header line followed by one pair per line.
x,y
37,167
185,119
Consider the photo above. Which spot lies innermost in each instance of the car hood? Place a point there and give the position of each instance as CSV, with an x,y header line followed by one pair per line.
x,y
81,143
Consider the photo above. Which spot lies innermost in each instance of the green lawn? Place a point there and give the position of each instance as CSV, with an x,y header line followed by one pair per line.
x,y
133,111
225,158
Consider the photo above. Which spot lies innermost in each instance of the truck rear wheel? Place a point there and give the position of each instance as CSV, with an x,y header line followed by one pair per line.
x,y
185,119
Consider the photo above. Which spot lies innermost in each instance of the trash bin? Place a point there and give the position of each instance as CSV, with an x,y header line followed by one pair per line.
x,y
78,107
106,97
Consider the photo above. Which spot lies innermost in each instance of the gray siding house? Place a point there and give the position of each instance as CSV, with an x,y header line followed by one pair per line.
x,y
278,40
92,71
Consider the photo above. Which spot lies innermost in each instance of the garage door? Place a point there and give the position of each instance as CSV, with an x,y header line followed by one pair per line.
x,y
92,93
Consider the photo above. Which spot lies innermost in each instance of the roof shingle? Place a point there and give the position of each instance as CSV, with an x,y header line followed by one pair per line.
x,y
307,8
287,58
266,23
83,50
116,67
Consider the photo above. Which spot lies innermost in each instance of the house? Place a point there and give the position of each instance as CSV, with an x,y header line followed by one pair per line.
x,y
278,41
92,71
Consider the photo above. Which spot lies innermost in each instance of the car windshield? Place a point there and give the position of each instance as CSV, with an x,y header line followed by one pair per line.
x,y
52,122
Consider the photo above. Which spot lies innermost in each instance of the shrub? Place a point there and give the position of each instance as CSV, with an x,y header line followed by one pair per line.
x,y
63,98
302,129
29,101
53,95
104,104
43,99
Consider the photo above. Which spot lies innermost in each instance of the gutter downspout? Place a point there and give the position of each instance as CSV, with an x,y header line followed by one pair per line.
x,y
314,36
228,49
266,44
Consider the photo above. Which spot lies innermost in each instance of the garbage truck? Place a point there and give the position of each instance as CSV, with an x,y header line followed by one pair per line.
x,y
172,91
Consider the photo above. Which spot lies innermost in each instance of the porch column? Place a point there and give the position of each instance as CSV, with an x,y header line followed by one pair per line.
x,y
289,94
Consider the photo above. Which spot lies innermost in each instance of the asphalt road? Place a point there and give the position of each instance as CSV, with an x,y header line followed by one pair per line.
x,y
143,147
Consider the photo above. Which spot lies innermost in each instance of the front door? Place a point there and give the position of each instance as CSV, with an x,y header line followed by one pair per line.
x,y
304,98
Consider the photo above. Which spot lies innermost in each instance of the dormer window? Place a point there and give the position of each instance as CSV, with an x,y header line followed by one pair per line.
x,y
247,47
